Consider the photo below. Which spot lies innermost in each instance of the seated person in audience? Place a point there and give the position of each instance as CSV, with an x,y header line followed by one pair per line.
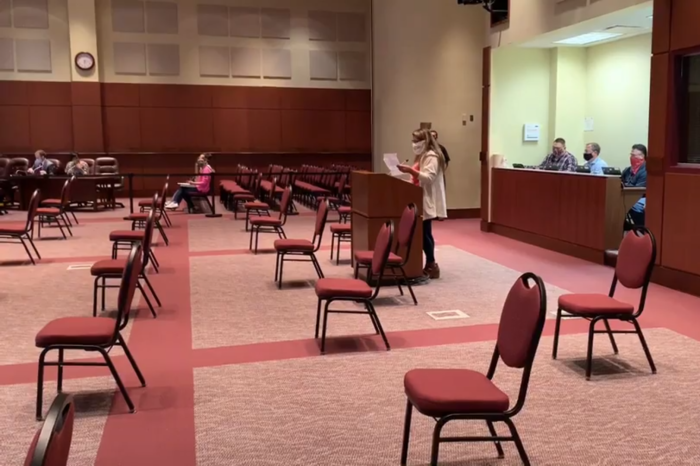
x,y
77,167
560,159
206,156
635,176
592,157
199,186
42,165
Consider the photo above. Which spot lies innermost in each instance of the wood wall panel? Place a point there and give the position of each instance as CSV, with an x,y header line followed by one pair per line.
x,y
120,95
358,130
660,38
51,127
654,210
230,127
684,32
680,224
658,110
86,94
122,126
88,132
15,134
313,99
265,130
358,100
14,93
49,94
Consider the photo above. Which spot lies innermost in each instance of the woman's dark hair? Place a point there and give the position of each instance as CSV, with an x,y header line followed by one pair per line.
x,y
74,156
641,148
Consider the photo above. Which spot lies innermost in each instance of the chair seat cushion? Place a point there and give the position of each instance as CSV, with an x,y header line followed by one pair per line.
x,y
365,258
341,228
593,304
439,392
243,195
50,202
126,235
48,211
76,331
256,205
266,221
293,245
11,230
342,287
345,209
145,202
108,267
138,216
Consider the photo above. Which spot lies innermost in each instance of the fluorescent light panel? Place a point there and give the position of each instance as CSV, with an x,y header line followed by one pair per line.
x,y
589,38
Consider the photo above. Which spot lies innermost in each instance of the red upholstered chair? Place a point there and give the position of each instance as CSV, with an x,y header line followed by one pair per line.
x,y
138,219
338,198
92,334
123,239
350,289
462,394
635,262
51,444
56,213
63,203
24,233
146,204
269,224
407,228
114,268
254,204
302,247
340,233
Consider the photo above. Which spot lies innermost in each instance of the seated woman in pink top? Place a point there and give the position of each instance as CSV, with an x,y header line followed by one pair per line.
x,y
200,185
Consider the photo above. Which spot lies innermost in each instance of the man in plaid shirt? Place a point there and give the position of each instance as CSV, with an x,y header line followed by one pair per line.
x,y
560,159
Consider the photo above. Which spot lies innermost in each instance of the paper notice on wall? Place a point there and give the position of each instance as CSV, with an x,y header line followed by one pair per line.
x,y
392,162
588,124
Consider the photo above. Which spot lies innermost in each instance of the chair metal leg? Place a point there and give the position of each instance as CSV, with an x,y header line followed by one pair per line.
x,y
277,267
492,430
589,353
59,375
31,258
408,285
117,379
406,432
325,325
40,384
279,283
379,324
373,317
162,233
610,334
94,297
75,218
36,251
555,345
122,343
150,287
435,448
318,316
518,442
104,292
643,341
319,271
145,297
332,244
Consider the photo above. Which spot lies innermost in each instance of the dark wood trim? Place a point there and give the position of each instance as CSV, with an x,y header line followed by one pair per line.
x,y
485,226
676,280
463,213
552,244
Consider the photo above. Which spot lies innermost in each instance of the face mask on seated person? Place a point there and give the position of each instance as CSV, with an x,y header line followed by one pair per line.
x,y
636,162
587,156
419,147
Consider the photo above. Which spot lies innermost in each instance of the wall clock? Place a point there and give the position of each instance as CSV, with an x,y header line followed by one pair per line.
x,y
84,61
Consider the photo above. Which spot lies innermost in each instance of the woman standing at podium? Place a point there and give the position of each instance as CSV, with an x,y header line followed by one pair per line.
x,y
428,170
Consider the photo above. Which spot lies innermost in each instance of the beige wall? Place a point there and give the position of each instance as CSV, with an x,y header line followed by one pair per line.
x,y
427,63
531,18
35,39
188,38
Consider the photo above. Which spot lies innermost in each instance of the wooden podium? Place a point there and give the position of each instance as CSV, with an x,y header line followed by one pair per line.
x,y
376,198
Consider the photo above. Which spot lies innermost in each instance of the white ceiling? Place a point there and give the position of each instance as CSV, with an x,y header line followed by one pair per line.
x,y
629,22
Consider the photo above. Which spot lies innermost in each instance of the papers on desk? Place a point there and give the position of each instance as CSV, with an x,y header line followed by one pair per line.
x,y
186,185
392,162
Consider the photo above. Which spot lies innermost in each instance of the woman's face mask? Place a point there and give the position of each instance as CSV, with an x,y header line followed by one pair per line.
x,y
419,147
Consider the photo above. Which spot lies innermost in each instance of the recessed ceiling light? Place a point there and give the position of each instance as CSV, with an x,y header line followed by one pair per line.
x,y
589,38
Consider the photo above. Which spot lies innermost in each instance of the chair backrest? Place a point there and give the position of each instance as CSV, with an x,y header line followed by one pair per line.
x,y
16,164
127,286
341,185
382,248
159,203
148,230
520,329
91,165
284,203
320,226
4,161
56,164
51,444
407,227
106,166
31,210
65,190
635,258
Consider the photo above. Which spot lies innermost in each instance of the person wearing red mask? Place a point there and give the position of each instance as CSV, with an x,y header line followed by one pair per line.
x,y
635,176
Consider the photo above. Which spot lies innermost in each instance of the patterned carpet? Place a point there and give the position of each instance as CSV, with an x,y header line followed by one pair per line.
x,y
259,312
220,306
349,409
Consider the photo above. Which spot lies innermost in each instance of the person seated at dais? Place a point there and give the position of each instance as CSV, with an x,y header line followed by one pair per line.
x,y
560,159
635,176
592,157
41,165
77,167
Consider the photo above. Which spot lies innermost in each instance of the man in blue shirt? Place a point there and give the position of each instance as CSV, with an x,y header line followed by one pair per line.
x,y
635,176
593,160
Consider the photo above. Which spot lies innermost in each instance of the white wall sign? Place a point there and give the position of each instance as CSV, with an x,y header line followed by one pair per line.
x,y
531,132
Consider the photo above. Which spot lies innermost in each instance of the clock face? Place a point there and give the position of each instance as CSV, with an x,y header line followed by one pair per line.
x,y
84,61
